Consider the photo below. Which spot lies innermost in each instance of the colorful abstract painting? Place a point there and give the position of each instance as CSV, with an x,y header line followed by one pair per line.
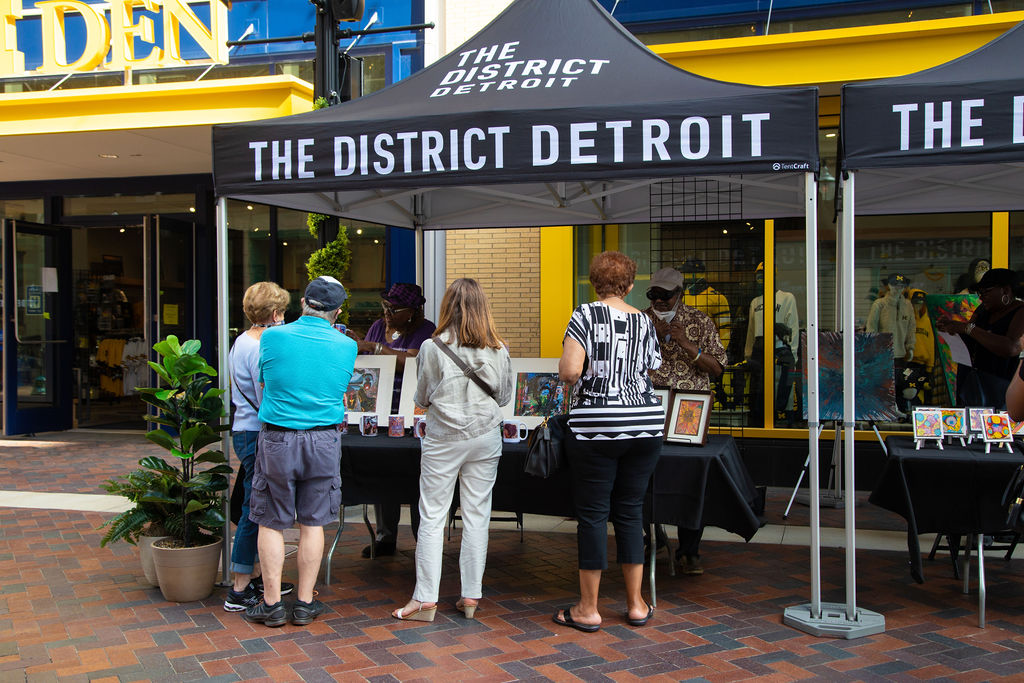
x,y
689,418
955,307
954,422
1017,427
927,424
541,394
976,419
874,380
997,428
361,395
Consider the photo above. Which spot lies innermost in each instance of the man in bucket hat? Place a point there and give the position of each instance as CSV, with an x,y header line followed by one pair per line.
x,y
305,368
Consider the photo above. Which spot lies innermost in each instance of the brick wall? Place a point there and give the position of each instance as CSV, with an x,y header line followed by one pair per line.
x,y
506,262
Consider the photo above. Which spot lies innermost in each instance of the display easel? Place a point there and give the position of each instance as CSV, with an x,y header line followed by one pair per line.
x,y
833,496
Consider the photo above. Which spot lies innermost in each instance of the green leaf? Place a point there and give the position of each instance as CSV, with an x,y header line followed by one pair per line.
x,y
158,497
206,438
159,369
158,464
162,439
180,454
165,394
195,506
189,436
211,456
220,469
191,346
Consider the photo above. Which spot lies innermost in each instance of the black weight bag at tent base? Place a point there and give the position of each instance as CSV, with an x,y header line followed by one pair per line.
x,y
545,449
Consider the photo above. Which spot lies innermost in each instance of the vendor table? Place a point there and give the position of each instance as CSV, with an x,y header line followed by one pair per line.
x,y
953,491
694,486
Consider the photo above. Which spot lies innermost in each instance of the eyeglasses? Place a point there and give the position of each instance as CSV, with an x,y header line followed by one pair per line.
x,y
658,294
982,291
388,308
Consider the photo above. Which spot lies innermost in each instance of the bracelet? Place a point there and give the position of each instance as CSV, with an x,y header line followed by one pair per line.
x,y
699,353
970,329
376,349
668,337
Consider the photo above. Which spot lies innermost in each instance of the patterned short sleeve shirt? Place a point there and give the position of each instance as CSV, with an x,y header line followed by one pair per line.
x,y
677,370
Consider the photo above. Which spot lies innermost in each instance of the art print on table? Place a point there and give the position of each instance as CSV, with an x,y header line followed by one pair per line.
x,y
407,407
541,394
688,416
369,389
927,423
1017,427
976,419
954,421
537,391
662,396
996,429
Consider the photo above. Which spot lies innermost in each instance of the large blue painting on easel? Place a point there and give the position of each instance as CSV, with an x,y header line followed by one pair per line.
x,y
875,382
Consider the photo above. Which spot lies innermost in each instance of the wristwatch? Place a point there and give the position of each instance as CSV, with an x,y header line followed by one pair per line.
x,y
668,338
970,328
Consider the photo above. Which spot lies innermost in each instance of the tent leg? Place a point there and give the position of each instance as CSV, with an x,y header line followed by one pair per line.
x,y
222,365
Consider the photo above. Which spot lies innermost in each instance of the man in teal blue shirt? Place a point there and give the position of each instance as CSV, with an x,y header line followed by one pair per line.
x,y
305,368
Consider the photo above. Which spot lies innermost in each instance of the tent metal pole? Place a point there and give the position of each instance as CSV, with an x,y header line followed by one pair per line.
x,y
222,363
849,394
419,256
813,416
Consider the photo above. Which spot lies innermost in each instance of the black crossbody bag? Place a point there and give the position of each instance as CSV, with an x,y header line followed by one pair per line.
x,y
466,370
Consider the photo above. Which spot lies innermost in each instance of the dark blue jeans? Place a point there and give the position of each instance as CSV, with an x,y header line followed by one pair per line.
x,y
609,481
243,550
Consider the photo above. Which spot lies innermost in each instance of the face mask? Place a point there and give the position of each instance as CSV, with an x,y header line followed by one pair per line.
x,y
895,290
666,316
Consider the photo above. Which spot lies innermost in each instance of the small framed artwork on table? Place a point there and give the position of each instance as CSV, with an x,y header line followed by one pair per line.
x,y
687,418
407,408
996,429
976,422
538,393
954,424
1017,428
369,390
927,426
662,395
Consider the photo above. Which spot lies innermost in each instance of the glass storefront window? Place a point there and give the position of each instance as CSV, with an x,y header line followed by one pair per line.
x,y
22,209
125,204
248,256
366,274
295,244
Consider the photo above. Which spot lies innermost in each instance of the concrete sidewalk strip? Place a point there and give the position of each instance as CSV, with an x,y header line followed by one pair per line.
x,y
82,502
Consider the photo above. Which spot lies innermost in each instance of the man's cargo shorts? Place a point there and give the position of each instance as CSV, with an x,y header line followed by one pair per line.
x,y
297,477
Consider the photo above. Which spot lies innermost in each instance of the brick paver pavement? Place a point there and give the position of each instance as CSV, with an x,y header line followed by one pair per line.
x,y
70,610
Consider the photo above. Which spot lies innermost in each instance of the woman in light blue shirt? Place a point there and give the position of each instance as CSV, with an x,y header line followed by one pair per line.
x,y
264,304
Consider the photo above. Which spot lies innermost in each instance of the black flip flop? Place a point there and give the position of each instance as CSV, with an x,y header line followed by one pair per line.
x,y
640,622
568,621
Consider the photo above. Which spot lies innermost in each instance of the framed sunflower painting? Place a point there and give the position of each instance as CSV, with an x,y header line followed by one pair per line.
x,y
687,417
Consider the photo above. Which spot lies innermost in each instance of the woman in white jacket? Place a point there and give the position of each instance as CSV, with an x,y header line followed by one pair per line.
x,y
463,441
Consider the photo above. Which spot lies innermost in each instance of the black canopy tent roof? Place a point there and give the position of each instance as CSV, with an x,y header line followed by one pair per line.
x,y
949,138
553,114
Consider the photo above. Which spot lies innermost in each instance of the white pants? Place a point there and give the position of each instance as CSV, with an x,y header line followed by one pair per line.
x,y
475,463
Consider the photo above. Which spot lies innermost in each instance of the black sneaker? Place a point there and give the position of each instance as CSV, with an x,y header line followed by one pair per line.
x,y
239,602
305,612
257,585
384,549
270,615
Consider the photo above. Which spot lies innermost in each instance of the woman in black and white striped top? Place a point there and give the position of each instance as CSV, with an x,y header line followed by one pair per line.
x,y
616,425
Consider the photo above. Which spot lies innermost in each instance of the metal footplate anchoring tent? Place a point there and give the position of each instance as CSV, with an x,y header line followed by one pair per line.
x,y
551,115
950,138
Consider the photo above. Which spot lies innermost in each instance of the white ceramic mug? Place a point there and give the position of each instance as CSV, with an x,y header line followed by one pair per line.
x,y
513,431
368,425
419,426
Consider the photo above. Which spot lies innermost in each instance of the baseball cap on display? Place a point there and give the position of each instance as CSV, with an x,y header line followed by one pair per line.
x,y
668,279
897,279
325,294
693,265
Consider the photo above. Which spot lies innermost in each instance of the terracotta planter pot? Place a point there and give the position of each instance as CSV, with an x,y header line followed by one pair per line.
x,y
187,574
146,557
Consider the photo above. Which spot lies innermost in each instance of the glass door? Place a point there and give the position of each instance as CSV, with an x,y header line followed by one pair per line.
x,y
37,328
171,276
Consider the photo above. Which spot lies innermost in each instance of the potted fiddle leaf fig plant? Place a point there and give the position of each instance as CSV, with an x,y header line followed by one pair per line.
x,y
142,524
193,482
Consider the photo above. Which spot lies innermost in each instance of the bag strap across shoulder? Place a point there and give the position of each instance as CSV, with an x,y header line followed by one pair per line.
x,y
466,370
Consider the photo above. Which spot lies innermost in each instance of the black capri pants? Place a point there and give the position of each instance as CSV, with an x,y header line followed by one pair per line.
x,y
609,481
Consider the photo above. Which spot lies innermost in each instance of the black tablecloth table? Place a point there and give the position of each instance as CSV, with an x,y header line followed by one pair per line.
x,y
953,491
694,486
956,490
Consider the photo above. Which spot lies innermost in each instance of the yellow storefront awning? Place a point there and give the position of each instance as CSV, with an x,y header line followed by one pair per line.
x,y
159,129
